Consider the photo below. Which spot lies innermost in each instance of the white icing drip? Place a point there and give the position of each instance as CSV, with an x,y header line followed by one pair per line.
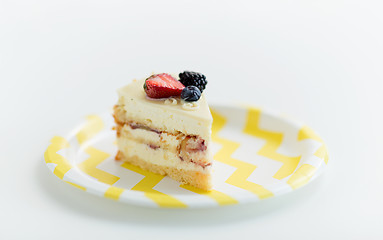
x,y
171,101
190,106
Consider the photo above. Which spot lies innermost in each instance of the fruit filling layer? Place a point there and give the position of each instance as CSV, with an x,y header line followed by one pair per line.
x,y
184,148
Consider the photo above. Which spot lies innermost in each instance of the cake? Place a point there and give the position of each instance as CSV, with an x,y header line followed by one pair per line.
x,y
164,125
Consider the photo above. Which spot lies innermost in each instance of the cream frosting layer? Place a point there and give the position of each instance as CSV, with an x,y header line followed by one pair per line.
x,y
165,117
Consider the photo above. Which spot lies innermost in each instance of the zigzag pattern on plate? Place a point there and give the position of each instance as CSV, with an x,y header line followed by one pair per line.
x,y
244,169
51,156
89,166
307,133
221,198
273,141
305,172
299,176
94,125
147,184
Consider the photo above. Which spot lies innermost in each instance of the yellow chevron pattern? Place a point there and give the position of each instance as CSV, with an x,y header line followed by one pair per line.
x,y
273,141
244,170
51,156
114,193
76,185
221,198
89,166
94,124
301,176
307,133
146,185
305,172
63,166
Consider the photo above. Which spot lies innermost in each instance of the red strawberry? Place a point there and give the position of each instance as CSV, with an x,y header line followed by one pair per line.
x,y
162,86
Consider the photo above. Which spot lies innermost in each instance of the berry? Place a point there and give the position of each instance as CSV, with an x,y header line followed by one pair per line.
x,y
193,79
162,85
190,94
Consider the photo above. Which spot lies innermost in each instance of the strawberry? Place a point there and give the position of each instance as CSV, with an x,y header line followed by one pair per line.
x,y
162,86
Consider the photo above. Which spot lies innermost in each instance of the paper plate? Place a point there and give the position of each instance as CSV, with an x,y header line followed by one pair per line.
x,y
257,155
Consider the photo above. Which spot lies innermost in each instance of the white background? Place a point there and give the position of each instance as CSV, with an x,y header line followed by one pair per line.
x,y
318,61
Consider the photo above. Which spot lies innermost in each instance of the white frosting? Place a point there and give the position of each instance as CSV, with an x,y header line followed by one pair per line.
x,y
166,117
190,106
171,101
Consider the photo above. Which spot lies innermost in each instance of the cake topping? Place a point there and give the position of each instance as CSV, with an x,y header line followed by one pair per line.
x,y
188,78
189,87
162,85
190,106
171,101
190,94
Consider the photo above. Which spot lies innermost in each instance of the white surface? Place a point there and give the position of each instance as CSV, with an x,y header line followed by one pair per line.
x,y
319,61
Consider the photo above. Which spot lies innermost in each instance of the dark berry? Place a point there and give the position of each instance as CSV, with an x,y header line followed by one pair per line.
x,y
188,78
190,94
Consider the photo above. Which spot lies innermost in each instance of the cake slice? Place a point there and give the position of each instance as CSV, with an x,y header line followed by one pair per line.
x,y
169,134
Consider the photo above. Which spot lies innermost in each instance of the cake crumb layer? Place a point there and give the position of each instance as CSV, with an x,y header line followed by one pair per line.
x,y
193,178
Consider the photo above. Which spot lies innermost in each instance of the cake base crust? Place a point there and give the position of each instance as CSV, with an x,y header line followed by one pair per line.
x,y
193,178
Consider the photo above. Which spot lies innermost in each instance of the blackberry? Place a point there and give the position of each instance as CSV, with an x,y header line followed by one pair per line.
x,y
188,78
190,94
